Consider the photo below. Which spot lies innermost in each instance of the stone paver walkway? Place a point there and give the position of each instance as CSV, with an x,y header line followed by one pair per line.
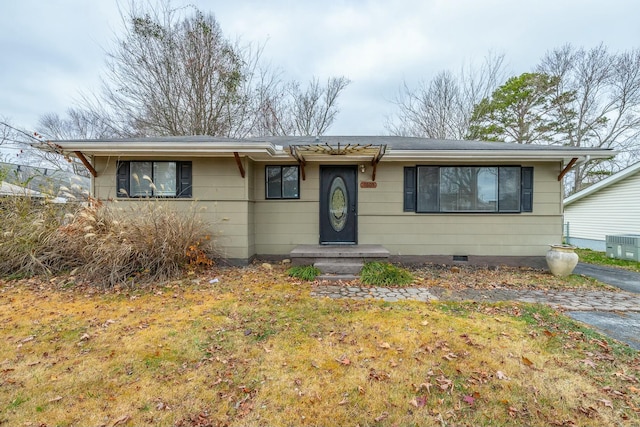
x,y
569,300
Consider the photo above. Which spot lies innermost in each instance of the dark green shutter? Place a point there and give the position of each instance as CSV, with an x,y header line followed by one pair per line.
x,y
122,180
410,189
526,190
184,179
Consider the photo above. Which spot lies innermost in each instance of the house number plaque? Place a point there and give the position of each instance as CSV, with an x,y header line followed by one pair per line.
x,y
368,184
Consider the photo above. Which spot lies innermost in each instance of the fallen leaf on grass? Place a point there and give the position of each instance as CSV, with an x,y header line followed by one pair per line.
x,y
55,399
384,345
419,401
527,362
606,403
344,361
123,419
588,362
383,416
501,376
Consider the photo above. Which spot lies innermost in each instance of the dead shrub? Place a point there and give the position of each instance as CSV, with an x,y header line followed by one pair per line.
x,y
144,242
27,223
106,244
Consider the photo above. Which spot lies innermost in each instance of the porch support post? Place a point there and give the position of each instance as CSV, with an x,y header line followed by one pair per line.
x,y
567,168
86,163
239,163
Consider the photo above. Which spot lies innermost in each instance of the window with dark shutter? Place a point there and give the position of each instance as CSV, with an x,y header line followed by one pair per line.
x,y
122,181
409,189
154,179
526,198
184,179
468,189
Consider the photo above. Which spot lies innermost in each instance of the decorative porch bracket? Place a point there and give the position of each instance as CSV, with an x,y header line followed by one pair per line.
x,y
376,159
300,159
567,168
86,163
239,163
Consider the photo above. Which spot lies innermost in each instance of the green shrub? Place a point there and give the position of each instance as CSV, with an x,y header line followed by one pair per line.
x,y
384,274
304,272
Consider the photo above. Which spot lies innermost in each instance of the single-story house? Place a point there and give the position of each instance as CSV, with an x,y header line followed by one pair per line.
x,y
421,199
609,208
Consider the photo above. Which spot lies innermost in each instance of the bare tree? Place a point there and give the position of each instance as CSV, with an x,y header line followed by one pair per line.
x,y
314,109
605,112
77,124
175,73
442,107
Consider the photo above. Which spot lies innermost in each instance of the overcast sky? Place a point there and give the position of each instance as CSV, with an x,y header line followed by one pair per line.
x,y
54,49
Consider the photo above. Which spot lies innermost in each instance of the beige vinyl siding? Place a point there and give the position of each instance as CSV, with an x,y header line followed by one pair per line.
x,y
219,193
609,211
381,220
245,223
281,225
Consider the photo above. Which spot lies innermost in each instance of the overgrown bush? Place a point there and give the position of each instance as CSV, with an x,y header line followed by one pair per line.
x,y
383,274
26,224
106,243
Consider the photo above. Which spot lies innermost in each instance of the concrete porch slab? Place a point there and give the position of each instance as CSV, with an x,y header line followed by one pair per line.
x,y
339,251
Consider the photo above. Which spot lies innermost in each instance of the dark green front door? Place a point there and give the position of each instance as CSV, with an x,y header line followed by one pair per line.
x,y
338,204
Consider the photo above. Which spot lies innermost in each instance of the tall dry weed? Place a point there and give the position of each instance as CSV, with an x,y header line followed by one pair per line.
x,y
25,225
106,244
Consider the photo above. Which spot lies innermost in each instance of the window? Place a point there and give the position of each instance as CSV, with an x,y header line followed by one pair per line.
x,y
282,182
481,189
154,179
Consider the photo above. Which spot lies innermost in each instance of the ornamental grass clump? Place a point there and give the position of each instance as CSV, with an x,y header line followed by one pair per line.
x,y
145,241
304,272
106,244
384,274
27,225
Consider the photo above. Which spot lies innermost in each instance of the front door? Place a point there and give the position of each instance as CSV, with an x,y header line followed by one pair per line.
x,y
338,204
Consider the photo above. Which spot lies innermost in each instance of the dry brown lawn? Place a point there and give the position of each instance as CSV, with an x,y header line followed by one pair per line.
x,y
253,348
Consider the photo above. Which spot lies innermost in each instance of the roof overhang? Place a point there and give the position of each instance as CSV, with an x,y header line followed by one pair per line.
x,y
496,155
150,148
352,150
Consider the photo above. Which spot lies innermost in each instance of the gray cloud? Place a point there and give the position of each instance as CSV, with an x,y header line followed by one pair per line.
x,y
54,50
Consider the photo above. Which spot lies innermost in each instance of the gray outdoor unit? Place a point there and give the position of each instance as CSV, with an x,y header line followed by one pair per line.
x,y
625,246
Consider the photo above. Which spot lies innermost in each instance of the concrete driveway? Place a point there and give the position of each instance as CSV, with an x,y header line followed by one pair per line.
x,y
623,326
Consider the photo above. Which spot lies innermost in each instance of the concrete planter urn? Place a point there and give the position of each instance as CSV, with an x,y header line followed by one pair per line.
x,y
562,259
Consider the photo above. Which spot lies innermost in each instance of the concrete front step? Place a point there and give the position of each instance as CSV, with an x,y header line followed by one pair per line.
x,y
311,254
339,266
337,277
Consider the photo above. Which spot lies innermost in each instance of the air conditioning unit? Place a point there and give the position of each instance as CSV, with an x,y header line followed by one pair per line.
x,y
625,246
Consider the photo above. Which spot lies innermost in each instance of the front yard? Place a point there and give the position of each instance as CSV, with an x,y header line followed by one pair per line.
x,y
244,347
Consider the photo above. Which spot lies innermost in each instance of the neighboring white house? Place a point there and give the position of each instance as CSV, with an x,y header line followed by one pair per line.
x,y
610,207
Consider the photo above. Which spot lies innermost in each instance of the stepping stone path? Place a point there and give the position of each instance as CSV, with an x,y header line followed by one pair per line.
x,y
568,300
